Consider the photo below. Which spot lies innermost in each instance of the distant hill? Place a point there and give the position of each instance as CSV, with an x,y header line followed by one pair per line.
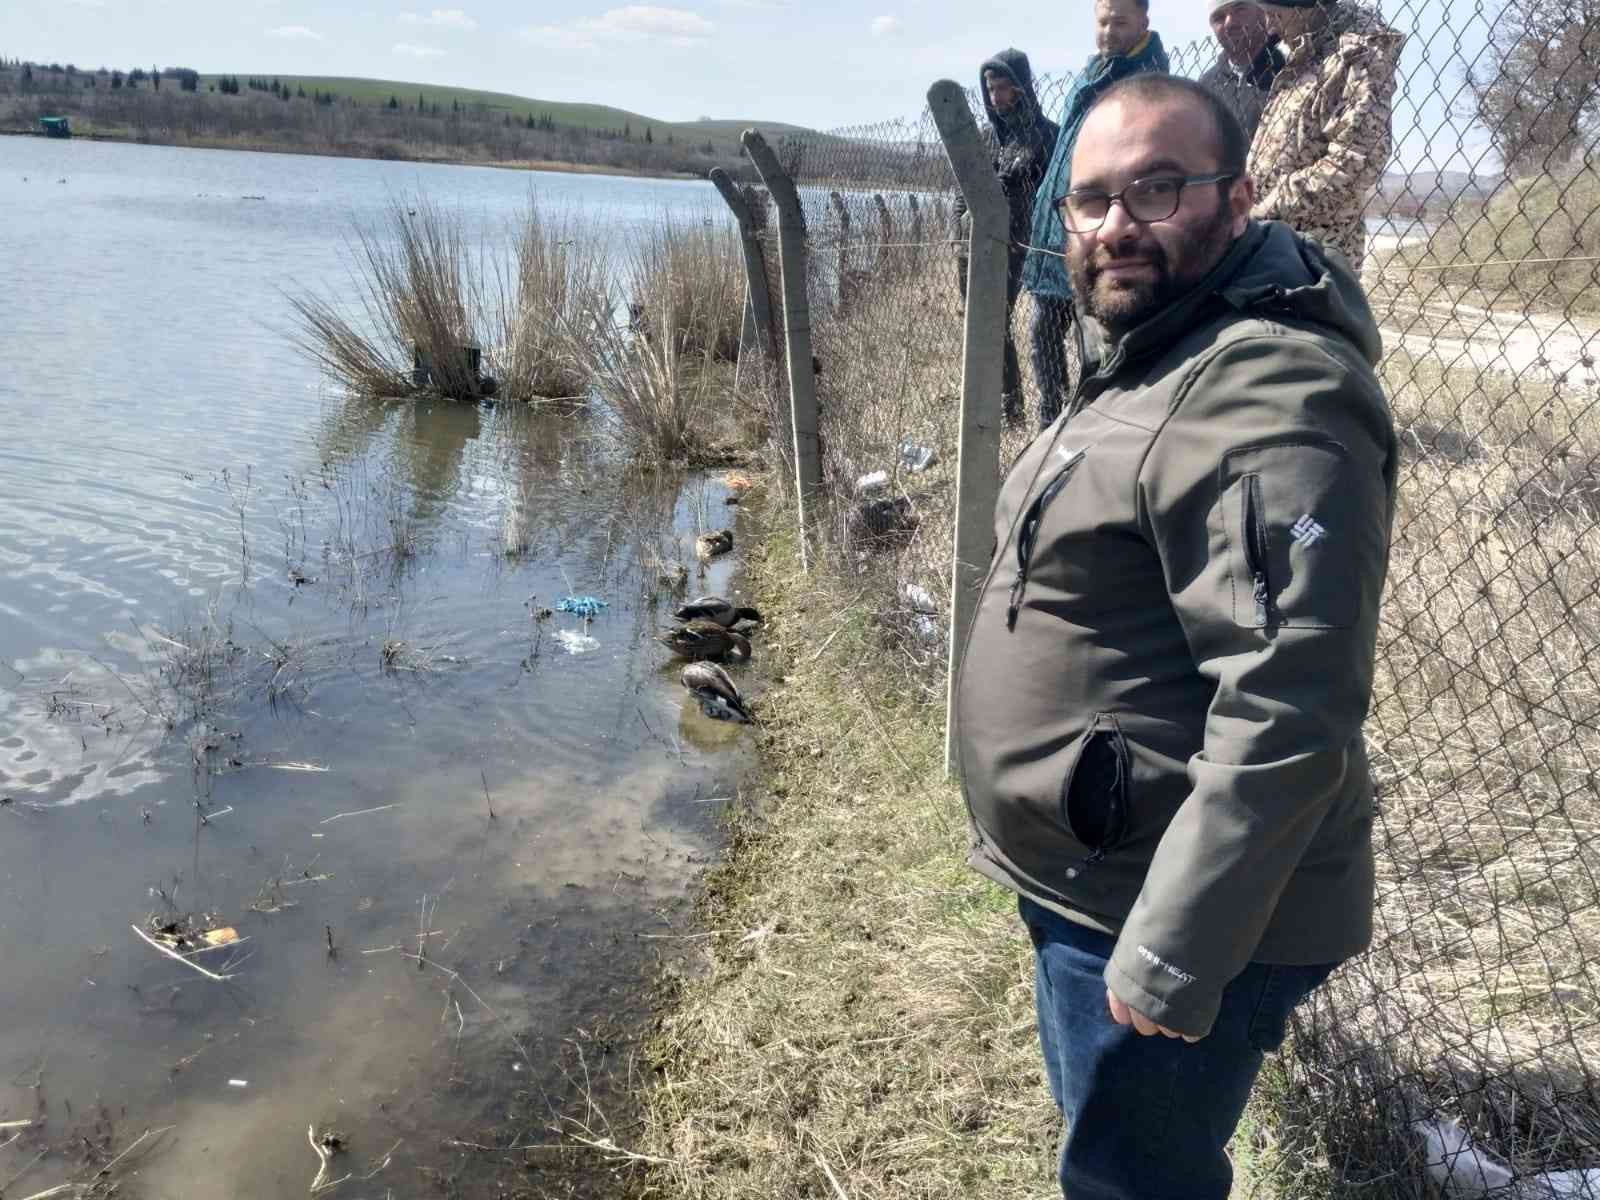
x,y
561,113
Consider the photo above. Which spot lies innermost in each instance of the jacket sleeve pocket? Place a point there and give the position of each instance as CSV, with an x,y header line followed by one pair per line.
x,y
1295,533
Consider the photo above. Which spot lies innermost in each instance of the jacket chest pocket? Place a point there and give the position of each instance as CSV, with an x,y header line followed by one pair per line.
x,y
1294,535
1028,528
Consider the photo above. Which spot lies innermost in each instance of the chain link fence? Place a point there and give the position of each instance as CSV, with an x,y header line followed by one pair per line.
x,y
1459,1056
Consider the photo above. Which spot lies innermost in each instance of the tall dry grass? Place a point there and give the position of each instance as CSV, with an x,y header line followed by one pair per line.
x,y
658,349
422,288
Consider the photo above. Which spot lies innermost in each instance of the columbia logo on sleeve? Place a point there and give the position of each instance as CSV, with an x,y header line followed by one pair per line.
x,y
1307,531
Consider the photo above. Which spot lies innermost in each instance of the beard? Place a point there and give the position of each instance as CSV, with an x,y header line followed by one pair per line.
x,y
1121,304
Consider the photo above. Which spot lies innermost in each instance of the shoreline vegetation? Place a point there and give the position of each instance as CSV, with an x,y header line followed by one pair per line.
x,y
362,118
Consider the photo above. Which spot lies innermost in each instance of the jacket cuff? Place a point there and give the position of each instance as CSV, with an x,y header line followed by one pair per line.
x,y
1145,985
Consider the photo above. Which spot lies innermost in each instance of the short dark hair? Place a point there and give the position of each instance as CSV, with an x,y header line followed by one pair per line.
x,y
1233,146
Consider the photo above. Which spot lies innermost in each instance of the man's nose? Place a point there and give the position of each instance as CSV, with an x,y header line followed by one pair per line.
x,y
1118,225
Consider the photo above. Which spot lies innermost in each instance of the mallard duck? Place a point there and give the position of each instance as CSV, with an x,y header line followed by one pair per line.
x,y
709,545
719,698
704,639
715,608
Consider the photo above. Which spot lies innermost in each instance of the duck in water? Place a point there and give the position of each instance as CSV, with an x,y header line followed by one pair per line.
x,y
715,608
701,639
719,698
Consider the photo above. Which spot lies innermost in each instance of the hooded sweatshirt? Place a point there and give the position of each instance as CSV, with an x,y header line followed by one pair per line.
x,y
1160,705
1045,274
1023,141
1326,135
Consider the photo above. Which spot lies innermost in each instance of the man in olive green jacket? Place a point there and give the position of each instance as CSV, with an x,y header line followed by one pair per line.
x,y
1160,709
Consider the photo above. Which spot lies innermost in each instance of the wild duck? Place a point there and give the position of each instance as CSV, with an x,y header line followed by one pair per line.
x,y
709,545
719,698
704,639
716,608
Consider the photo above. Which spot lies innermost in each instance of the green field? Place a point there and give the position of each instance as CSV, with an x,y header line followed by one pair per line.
x,y
572,116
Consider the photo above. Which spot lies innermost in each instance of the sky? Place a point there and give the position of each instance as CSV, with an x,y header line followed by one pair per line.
x,y
820,63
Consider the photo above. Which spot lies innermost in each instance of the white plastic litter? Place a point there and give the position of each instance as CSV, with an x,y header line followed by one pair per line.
x,y
1456,1167
574,642
239,1083
927,629
918,598
875,482
917,458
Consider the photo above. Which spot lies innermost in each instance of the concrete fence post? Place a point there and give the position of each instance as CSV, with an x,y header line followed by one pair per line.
x,y
978,465
885,229
797,332
842,215
758,298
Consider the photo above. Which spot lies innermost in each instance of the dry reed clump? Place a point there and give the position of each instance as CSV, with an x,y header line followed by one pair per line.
x,y
425,296
686,274
660,358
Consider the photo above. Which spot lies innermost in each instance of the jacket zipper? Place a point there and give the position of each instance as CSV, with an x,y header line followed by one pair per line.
x,y
1028,533
1255,548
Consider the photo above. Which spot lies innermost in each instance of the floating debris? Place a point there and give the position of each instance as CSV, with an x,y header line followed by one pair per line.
x,y
709,545
583,606
574,642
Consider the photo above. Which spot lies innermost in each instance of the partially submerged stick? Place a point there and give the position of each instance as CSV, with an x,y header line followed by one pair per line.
x,y
176,957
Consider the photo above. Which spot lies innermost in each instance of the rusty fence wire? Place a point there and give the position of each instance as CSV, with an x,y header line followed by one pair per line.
x,y
1459,1057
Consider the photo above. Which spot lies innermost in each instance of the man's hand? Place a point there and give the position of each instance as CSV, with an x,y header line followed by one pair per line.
x,y
1143,1025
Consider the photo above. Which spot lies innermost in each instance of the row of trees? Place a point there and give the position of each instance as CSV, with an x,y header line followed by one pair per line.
x,y
55,77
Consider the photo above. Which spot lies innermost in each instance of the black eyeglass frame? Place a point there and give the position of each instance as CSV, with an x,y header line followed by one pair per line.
x,y
1117,197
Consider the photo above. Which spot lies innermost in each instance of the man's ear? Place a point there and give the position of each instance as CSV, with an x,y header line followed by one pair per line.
x,y
1242,198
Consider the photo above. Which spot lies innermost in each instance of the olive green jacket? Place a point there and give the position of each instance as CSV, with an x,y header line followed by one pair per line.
x,y
1160,706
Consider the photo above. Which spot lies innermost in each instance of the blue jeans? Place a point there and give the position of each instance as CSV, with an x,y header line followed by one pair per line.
x,y
1148,1118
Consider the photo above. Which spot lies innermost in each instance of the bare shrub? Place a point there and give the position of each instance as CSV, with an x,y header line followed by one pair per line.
x,y
657,358
689,272
425,296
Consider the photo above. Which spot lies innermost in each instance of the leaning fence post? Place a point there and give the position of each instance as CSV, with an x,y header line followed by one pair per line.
x,y
797,331
843,215
755,266
978,455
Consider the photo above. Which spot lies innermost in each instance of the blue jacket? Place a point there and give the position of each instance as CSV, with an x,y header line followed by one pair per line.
x,y
1046,274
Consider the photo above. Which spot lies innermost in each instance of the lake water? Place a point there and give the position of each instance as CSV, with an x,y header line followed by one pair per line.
x,y
261,653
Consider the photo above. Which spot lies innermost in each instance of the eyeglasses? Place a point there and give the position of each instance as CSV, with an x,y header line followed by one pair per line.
x,y
1084,210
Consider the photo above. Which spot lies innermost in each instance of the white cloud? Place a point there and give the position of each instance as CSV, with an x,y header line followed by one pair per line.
x,y
295,31
884,26
416,51
635,22
442,18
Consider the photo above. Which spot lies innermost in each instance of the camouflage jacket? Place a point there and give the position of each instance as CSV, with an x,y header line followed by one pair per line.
x,y
1325,135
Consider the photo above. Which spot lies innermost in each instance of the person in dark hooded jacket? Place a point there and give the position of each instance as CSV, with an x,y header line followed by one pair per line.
x,y
1023,141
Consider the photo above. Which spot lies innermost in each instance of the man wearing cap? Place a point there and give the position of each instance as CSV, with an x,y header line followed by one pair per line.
x,y
1251,59
1325,135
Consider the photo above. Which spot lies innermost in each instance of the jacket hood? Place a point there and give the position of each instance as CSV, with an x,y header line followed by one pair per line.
x,y
1285,274
1271,272
1353,30
1013,64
